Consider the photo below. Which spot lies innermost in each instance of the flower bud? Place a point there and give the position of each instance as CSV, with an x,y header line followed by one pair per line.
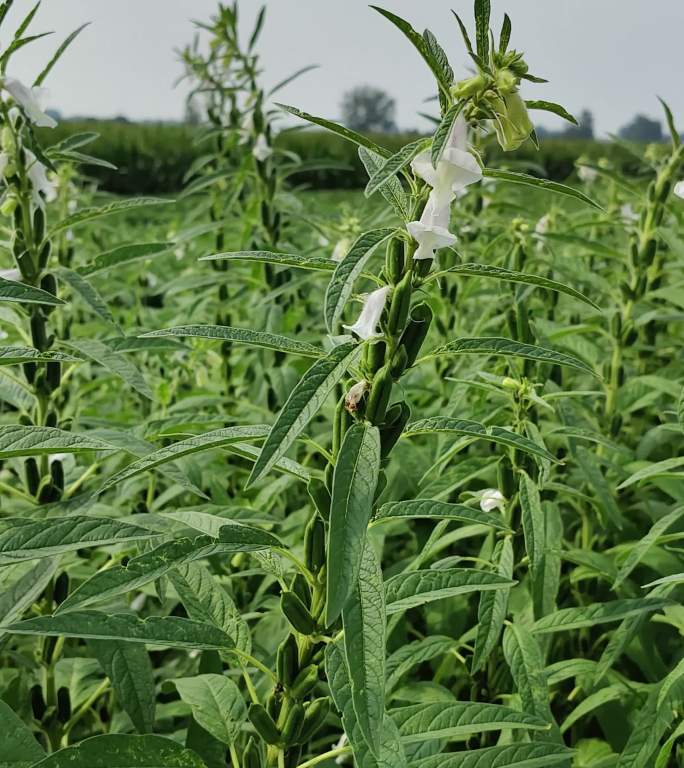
x,y
512,125
9,204
469,87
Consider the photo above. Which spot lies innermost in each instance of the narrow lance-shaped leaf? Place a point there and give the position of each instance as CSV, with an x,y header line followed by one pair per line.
x,y
304,402
241,336
354,483
394,165
597,613
117,364
347,271
123,254
23,592
20,355
217,704
556,109
429,509
12,291
494,345
532,520
316,263
19,746
506,756
363,619
18,440
90,214
444,131
543,184
392,190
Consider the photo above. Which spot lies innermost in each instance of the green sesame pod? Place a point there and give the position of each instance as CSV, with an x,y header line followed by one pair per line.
x,y
664,190
649,251
400,306
57,474
378,400
314,544
297,613
293,723
32,475
38,331
398,364
49,284
394,260
273,706
616,425
616,325
39,224
393,414
53,375
44,255
506,478
389,435
374,356
287,660
329,472
304,682
382,484
300,587
314,717
416,331
658,215
320,495
422,267
263,724
341,424
251,757
652,192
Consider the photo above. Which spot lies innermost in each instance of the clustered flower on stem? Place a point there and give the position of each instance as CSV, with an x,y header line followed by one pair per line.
x,y
456,169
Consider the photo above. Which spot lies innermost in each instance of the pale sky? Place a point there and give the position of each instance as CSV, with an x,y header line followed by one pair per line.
x,y
611,56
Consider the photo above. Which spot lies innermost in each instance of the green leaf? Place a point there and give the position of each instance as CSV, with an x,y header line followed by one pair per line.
x,y
532,520
141,570
493,607
597,613
391,753
205,600
429,509
524,659
505,36
347,271
17,440
117,364
218,438
443,132
420,45
303,404
90,214
482,14
506,756
647,729
12,291
216,704
318,263
556,109
353,489
124,254
511,276
345,133
32,539
166,631
392,190
421,722
19,355
592,702
494,345
130,671
117,750
22,593
639,550
417,652
543,184
19,747
414,588
655,469
669,118
439,424
394,165
363,619
58,54
90,295
241,336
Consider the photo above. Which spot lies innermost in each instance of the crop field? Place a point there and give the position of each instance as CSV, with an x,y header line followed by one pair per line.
x,y
385,477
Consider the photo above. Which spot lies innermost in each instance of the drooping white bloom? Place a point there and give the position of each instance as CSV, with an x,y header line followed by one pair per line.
x,y
31,100
261,149
628,213
40,182
10,274
4,162
431,231
491,499
366,326
340,249
456,168
353,398
679,189
587,175
543,224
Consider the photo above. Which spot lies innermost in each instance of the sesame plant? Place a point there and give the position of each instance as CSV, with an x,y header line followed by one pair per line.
x,y
430,514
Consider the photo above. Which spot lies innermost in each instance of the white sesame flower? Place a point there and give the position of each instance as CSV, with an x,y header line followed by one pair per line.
x,y
261,149
431,231
366,326
31,100
10,274
587,175
246,127
353,398
543,224
679,189
628,213
41,184
456,168
491,499
340,249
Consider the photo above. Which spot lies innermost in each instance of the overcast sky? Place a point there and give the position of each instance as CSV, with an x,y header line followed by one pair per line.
x,y
611,56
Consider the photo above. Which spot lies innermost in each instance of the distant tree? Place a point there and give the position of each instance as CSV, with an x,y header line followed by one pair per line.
x,y
366,108
585,129
642,128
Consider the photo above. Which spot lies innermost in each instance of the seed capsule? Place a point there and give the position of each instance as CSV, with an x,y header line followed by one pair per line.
x,y
417,329
264,724
297,613
379,397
